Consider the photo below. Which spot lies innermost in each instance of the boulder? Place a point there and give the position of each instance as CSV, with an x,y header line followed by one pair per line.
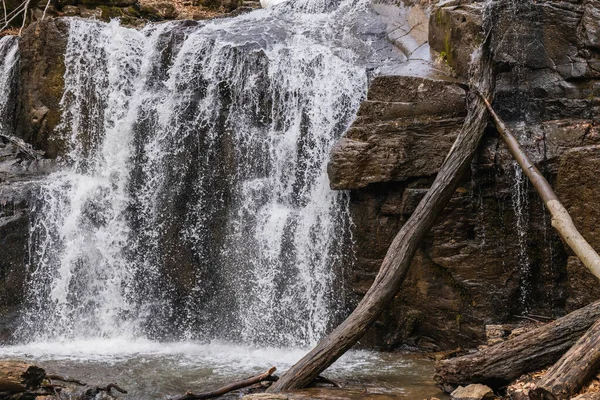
x,y
472,392
403,130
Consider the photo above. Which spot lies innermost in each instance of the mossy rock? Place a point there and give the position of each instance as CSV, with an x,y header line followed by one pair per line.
x,y
158,12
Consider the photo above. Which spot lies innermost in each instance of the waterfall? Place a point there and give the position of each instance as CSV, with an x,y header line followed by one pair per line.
x,y
9,58
520,204
194,201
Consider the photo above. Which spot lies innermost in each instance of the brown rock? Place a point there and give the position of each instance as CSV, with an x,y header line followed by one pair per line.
x,y
579,168
42,49
404,130
472,392
455,32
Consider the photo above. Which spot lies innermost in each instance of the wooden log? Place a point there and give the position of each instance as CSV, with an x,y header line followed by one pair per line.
x,y
500,364
17,377
400,253
226,389
573,370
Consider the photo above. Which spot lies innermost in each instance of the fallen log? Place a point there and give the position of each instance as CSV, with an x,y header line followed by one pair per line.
x,y
226,389
573,370
400,253
17,377
500,364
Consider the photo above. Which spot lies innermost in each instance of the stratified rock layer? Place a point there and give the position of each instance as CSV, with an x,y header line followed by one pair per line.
x,y
493,255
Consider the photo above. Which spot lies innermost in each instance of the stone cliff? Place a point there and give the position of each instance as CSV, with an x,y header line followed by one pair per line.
x,y
493,255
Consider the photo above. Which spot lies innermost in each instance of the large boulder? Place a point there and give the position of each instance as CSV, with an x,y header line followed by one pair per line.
x,y
403,130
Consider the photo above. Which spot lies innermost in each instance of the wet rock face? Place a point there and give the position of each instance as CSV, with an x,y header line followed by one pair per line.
x,y
42,48
493,254
19,174
579,168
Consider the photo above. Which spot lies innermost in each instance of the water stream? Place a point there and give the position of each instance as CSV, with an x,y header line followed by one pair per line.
x,y
9,56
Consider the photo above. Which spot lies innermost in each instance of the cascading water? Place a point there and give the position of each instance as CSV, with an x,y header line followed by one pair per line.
x,y
195,203
520,202
9,57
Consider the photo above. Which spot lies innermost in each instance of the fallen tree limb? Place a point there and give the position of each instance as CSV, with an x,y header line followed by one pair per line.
x,y
561,220
16,377
500,364
573,370
400,253
226,389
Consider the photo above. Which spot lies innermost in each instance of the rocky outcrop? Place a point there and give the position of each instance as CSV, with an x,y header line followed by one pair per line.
x,y
135,13
493,254
42,49
403,130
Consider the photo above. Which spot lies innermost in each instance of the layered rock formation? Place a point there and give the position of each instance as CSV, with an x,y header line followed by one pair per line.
x,y
493,254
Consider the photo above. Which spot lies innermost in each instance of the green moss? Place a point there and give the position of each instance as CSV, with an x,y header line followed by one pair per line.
x,y
448,48
150,13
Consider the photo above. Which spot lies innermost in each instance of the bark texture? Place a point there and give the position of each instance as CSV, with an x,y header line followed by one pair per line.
x,y
504,362
573,370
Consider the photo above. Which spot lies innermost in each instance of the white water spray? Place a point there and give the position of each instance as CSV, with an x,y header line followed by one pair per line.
x,y
195,202
9,58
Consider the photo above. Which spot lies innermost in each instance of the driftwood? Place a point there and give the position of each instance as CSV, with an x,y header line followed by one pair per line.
x,y
16,377
64,379
500,364
400,253
226,389
573,370
24,380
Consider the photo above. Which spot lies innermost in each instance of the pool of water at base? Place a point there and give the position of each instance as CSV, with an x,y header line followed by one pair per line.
x,y
153,370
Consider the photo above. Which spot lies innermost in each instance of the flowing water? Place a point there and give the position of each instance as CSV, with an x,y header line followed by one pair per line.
x,y
195,203
191,236
9,57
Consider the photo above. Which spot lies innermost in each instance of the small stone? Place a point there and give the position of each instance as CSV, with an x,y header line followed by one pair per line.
x,y
472,392
265,396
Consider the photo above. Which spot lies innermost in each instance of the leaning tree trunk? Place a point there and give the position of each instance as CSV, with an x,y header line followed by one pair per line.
x,y
561,220
399,255
573,370
498,365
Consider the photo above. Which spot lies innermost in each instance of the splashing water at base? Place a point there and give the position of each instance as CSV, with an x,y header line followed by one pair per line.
x,y
150,370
